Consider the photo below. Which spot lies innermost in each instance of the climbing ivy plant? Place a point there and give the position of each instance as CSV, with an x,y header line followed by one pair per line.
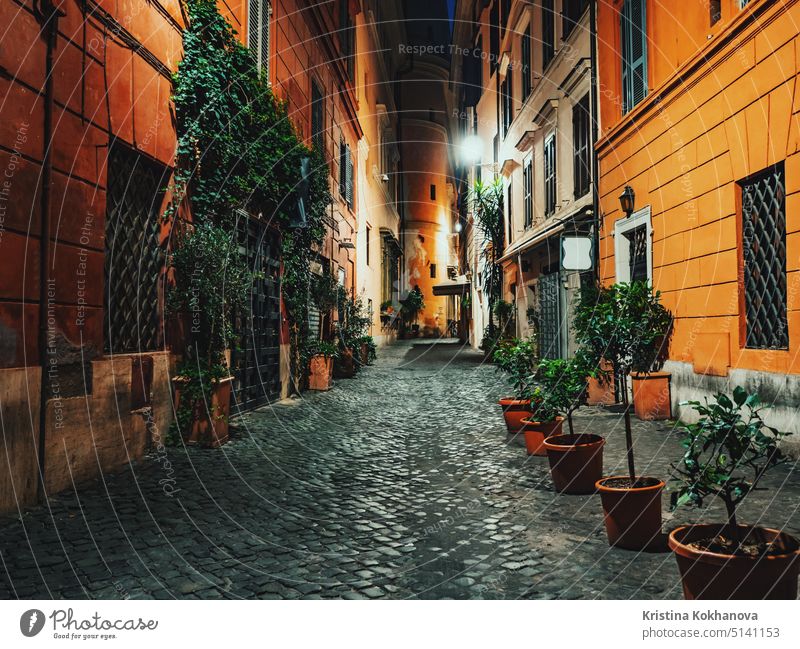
x,y
238,150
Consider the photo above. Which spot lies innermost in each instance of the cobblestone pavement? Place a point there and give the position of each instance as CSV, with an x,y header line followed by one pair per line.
x,y
399,483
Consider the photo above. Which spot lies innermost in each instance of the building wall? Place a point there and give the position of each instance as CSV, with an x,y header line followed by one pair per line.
x,y
111,82
722,104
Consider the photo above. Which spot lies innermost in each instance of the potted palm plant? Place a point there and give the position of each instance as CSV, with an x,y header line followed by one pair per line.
x,y
517,359
576,460
728,452
626,325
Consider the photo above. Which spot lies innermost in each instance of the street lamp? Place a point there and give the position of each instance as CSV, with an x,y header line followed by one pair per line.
x,y
627,200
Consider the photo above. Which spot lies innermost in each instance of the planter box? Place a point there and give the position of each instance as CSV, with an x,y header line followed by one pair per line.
x,y
209,426
651,396
320,371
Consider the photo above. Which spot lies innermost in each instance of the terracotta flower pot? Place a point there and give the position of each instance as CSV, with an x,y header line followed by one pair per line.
x,y
632,514
651,396
514,411
576,462
345,365
209,425
709,575
320,371
536,432
364,351
600,392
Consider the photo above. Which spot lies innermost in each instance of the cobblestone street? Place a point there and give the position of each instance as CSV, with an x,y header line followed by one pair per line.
x,y
399,483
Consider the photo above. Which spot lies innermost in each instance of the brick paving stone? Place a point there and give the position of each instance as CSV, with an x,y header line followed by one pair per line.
x,y
399,483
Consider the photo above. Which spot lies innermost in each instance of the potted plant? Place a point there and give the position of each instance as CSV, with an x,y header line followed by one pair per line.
x,y
319,356
368,350
576,460
504,310
351,328
411,307
728,452
211,283
626,325
486,201
517,358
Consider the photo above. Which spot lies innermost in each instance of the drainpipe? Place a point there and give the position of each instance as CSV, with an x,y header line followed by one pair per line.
x,y
398,100
48,15
595,165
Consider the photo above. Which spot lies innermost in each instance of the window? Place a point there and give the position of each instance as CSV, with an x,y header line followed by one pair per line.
x,y
494,34
433,271
507,96
571,12
715,11
433,192
510,209
346,174
743,3
634,53
550,175
258,14
347,38
527,78
548,32
581,147
317,118
633,255
367,237
764,259
527,190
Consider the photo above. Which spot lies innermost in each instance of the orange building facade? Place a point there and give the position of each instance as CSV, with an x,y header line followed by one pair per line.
x,y
699,116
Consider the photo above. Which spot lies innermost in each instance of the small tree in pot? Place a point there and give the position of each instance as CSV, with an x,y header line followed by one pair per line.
x,y
627,325
517,359
410,308
576,460
351,328
317,355
728,452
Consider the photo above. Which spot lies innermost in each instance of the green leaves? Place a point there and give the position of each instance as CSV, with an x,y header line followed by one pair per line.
x,y
624,323
728,451
518,359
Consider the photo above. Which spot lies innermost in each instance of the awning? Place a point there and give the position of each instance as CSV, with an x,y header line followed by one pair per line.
x,y
391,242
459,286
540,235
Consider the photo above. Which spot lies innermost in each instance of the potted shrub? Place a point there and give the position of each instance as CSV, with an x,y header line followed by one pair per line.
x,y
728,452
368,350
351,328
517,358
211,283
504,311
319,357
626,325
410,308
576,460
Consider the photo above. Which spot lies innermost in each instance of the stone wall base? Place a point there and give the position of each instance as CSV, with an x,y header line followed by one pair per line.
x,y
780,391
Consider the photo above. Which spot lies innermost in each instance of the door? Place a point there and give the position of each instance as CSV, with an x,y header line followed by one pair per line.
x,y
256,362
550,315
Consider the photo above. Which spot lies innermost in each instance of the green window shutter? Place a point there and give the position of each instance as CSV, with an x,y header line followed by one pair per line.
x,y
634,52
349,182
342,169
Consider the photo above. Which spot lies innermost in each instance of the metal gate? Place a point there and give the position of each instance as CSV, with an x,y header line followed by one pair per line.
x,y
549,316
256,361
133,259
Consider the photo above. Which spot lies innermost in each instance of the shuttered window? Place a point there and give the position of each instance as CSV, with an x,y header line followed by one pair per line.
x,y
548,32
580,144
527,79
571,12
527,190
258,15
347,38
507,91
317,118
346,174
550,175
634,53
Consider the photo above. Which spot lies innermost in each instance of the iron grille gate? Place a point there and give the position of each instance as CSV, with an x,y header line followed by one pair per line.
x,y
549,316
764,252
133,259
256,361
637,261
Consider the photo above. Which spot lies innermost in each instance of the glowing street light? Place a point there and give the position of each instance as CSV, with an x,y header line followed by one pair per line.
x,y
472,149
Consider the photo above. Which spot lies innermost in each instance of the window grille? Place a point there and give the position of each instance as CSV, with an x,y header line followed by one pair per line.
x,y
637,260
133,258
764,256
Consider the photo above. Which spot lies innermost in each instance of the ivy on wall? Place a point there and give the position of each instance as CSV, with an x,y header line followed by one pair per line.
x,y
238,149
